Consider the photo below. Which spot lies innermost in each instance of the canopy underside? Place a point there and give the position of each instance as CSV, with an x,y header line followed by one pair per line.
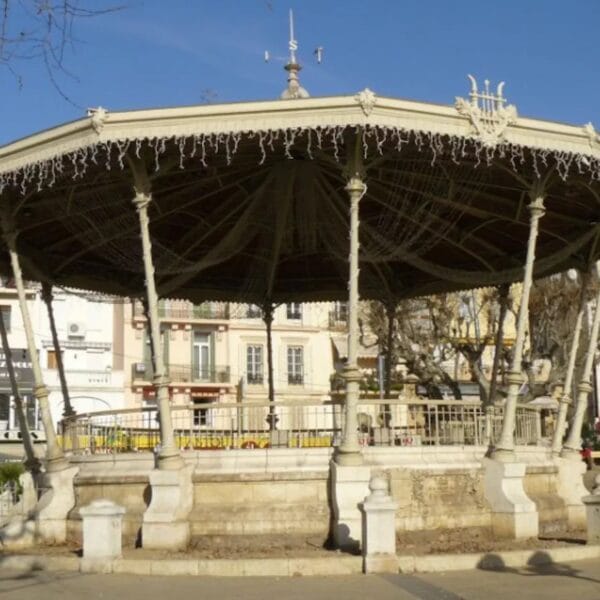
x,y
270,220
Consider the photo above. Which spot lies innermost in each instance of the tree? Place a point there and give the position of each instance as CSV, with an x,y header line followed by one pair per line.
x,y
42,30
416,331
429,333
553,307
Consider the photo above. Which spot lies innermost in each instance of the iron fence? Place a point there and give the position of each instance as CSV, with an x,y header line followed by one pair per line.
x,y
298,424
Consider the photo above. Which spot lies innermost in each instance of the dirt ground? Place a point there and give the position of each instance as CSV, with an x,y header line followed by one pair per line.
x,y
441,541
450,541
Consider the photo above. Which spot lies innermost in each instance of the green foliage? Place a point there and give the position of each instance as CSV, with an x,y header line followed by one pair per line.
x,y
10,471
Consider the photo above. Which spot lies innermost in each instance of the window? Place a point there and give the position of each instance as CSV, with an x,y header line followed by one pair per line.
x,y
202,416
341,311
4,407
5,310
51,355
253,312
294,310
254,364
201,360
295,364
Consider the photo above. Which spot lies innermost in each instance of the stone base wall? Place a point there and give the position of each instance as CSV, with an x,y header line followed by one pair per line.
x,y
256,504
286,491
439,498
541,487
129,491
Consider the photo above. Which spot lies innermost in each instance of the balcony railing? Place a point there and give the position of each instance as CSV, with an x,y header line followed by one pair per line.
x,y
213,425
206,310
183,373
338,320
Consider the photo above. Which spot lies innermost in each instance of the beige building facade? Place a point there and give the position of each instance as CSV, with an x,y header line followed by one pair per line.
x,y
217,352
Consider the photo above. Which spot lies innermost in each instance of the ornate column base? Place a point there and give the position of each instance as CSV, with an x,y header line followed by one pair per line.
x,y
348,453
571,490
349,486
514,515
165,524
56,501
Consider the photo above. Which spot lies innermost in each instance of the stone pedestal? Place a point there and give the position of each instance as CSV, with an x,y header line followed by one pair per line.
x,y
571,489
349,486
592,513
379,529
165,524
57,499
102,530
514,515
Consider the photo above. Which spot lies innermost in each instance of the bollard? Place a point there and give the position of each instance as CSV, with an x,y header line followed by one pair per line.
x,y
102,527
592,513
379,529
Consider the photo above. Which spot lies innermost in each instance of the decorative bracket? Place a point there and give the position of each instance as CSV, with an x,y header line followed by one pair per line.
x,y
593,135
367,100
98,117
487,112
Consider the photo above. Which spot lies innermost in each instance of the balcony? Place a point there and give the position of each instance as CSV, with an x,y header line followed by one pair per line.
x,y
204,311
184,373
338,320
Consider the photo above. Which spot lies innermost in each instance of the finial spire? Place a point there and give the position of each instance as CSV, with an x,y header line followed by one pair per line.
x,y
293,67
294,89
293,43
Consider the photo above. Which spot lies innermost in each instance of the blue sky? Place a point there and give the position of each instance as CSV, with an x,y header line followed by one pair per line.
x,y
170,52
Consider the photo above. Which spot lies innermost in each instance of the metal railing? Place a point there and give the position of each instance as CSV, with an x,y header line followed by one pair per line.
x,y
183,373
215,425
206,310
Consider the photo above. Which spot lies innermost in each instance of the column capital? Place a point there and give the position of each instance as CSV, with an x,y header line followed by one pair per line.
x,y
514,378
40,391
356,186
565,399
584,387
351,373
536,206
142,199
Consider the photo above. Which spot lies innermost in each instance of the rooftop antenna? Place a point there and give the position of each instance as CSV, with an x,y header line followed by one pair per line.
x,y
294,89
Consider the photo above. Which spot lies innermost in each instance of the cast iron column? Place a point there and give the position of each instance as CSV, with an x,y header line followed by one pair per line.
x,y
55,459
573,444
349,451
169,456
47,298
505,447
565,399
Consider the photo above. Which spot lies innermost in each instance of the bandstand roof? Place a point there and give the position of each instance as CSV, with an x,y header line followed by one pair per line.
x,y
249,200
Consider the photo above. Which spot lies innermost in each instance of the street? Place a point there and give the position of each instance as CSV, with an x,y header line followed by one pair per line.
x,y
576,580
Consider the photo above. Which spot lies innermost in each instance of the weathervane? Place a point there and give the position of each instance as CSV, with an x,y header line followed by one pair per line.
x,y
294,89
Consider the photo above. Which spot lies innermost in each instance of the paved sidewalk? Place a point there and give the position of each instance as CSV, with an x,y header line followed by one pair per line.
x,y
579,580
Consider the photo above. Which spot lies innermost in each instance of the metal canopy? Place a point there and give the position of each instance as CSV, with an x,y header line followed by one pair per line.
x,y
249,200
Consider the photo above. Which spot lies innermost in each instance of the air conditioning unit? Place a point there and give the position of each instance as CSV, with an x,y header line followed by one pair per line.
x,y
140,367
76,330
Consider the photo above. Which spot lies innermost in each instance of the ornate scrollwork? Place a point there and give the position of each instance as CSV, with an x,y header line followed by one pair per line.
x,y
487,111
367,100
98,117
